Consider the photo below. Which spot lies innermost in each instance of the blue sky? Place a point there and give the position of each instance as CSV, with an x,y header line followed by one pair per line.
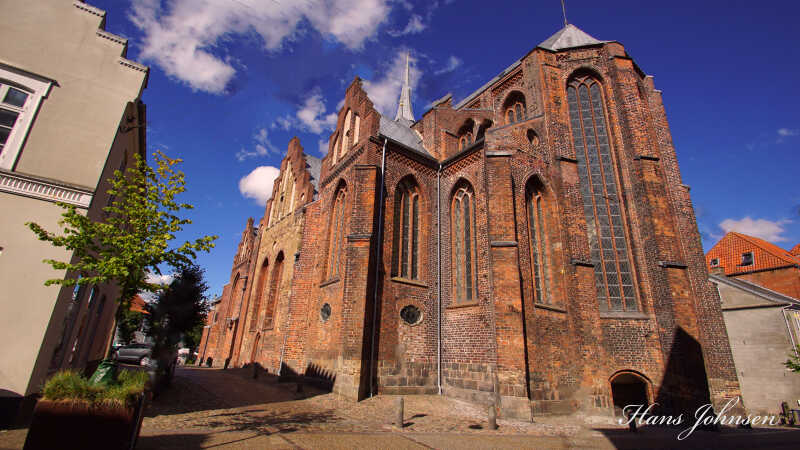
x,y
232,81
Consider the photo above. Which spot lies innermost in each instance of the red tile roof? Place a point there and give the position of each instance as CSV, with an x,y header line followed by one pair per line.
x,y
795,251
138,305
766,255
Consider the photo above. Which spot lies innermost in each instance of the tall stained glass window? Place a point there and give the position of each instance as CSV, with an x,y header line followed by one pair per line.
x,y
601,201
463,244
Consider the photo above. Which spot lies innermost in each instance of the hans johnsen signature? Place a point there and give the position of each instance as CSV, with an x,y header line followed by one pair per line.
x,y
704,416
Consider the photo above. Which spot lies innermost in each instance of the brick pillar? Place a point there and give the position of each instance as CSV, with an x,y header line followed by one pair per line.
x,y
354,360
512,385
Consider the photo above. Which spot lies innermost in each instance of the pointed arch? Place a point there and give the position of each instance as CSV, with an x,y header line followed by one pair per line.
x,y
538,239
602,205
485,125
462,237
465,136
336,230
514,108
346,133
406,230
260,294
274,287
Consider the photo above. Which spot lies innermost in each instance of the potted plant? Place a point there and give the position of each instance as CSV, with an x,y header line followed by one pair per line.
x,y
76,413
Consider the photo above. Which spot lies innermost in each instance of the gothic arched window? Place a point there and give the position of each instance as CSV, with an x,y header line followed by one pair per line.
x,y
465,137
462,217
601,202
338,220
538,243
405,263
514,108
346,133
274,285
262,281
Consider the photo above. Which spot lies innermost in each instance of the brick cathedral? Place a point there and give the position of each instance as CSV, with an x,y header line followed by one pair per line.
x,y
531,246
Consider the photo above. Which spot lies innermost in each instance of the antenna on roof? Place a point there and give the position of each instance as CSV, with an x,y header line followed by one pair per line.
x,y
564,11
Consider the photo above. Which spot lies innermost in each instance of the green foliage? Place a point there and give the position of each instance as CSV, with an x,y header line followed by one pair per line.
x,y
793,363
134,237
179,310
69,385
129,322
191,339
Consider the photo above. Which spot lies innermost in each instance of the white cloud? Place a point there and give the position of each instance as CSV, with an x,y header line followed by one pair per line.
x,y
182,37
414,26
323,147
263,147
453,63
164,279
771,231
312,116
788,132
384,92
258,184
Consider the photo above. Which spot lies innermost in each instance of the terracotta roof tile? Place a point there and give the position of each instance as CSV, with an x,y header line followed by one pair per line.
x,y
795,251
728,253
138,305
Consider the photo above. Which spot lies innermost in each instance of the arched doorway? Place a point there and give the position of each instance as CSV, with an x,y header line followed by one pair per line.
x,y
629,388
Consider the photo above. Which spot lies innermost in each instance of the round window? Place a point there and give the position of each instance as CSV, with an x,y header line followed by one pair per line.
x,y
325,312
411,314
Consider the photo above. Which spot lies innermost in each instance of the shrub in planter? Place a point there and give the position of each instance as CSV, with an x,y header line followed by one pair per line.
x,y
73,413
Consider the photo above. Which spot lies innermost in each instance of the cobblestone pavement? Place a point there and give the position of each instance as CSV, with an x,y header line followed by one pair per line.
x,y
212,408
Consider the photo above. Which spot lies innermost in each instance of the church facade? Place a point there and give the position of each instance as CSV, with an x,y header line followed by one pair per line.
x,y
531,246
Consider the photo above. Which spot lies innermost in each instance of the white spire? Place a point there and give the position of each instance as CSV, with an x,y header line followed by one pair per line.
x,y
404,105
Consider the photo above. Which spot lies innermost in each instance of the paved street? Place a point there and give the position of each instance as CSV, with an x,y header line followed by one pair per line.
x,y
211,408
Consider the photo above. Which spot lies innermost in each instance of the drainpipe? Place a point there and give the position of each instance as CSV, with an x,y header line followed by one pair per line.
x,y
789,329
439,279
377,273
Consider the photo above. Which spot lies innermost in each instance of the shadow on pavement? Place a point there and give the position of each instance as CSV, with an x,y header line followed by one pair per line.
x,y
196,389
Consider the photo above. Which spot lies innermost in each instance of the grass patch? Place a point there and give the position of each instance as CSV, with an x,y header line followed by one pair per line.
x,y
70,385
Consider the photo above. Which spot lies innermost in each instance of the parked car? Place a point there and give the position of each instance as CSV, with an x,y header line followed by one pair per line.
x,y
141,354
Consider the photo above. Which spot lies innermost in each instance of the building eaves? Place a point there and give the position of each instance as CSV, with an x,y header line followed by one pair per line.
x,y
760,291
403,134
569,37
472,96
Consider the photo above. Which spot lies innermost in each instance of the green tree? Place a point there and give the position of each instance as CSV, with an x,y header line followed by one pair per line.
x,y
129,322
793,363
179,310
134,235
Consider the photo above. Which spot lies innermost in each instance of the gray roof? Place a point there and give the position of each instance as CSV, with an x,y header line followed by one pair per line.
x,y
755,289
569,37
404,105
489,83
399,131
314,166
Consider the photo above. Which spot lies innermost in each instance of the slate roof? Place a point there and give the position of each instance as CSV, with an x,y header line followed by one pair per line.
x,y
569,37
755,289
766,255
314,166
399,131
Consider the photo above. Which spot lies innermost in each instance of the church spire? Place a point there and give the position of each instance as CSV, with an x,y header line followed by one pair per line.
x,y
404,105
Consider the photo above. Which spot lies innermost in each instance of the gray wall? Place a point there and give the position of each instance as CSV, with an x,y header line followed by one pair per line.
x,y
760,343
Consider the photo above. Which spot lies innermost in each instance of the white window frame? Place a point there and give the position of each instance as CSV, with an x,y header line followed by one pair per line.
x,y
714,262
37,88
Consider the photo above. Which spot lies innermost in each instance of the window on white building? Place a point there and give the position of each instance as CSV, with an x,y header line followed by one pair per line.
x,y
21,94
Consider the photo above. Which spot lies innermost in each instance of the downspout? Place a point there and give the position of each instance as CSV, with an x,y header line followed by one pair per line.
x,y
439,279
789,329
377,273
